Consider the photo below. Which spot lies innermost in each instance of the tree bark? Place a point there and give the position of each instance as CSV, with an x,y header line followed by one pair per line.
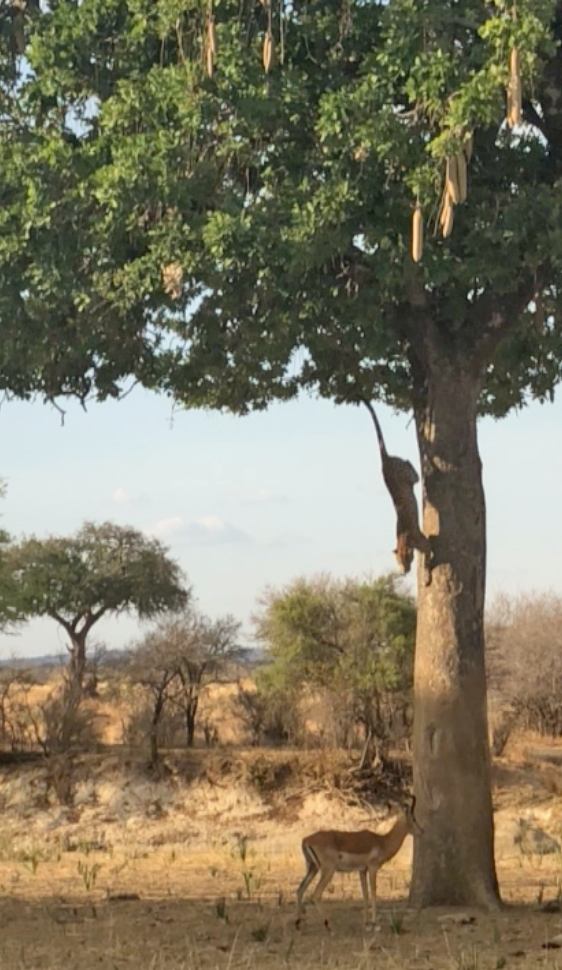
x,y
190,716
77,662
153,730
454,858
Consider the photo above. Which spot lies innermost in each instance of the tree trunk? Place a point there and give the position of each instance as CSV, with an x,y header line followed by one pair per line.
x,y
190,715
153,731
73,693
153,745
454,858
77,663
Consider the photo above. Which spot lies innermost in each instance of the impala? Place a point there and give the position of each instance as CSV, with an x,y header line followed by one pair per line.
x,y
363,852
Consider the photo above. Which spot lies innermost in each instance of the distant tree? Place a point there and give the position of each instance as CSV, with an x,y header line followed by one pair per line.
x,y
14,683
9,613
270,714
204,649
96,659
355,638
59,724
177,658
525,660
250,707
100,570
153,666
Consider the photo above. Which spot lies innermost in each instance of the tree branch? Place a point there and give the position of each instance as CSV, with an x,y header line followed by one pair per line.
x,y
90,618
93,618
501,315
409,322
66,625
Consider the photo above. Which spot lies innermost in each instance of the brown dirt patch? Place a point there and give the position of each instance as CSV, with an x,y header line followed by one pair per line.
x,y
212,850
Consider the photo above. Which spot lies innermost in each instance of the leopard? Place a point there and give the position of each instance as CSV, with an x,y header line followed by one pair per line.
x,y
400,476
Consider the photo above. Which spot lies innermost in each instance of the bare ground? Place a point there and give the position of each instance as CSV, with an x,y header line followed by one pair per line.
x,y
177,933
210,852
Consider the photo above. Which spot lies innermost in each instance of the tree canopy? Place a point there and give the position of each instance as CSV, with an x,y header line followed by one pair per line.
x,y
101,569
355,638
233,238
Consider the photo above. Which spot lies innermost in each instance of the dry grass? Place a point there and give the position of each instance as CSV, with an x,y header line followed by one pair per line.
x,y
211,851
205,902
173,933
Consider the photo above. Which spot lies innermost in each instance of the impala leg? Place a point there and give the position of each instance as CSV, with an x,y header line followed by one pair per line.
x,y
365,891
311,871
325,879
373,881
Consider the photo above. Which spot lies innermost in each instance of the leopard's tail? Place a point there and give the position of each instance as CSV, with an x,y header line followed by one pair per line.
x,y
372,412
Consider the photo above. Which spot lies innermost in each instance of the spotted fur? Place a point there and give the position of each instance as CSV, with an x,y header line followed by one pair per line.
x,y
400,476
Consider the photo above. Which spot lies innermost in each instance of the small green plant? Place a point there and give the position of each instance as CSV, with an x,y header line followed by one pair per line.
x,y
89,874
397,923
220,909
242,847
31,858
501,963
251,881
259,934
540,894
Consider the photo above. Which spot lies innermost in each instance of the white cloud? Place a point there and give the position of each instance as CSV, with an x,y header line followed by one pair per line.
x,y
208,530
211,530
122,497
165,527
211,522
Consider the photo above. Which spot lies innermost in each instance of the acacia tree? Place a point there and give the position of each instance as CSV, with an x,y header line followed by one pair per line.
x,y
101,570
148,184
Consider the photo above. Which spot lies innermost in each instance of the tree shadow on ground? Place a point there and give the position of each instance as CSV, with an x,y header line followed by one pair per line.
x,y
205,934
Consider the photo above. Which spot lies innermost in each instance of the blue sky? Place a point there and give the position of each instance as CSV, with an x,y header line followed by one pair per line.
x,y
247,502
